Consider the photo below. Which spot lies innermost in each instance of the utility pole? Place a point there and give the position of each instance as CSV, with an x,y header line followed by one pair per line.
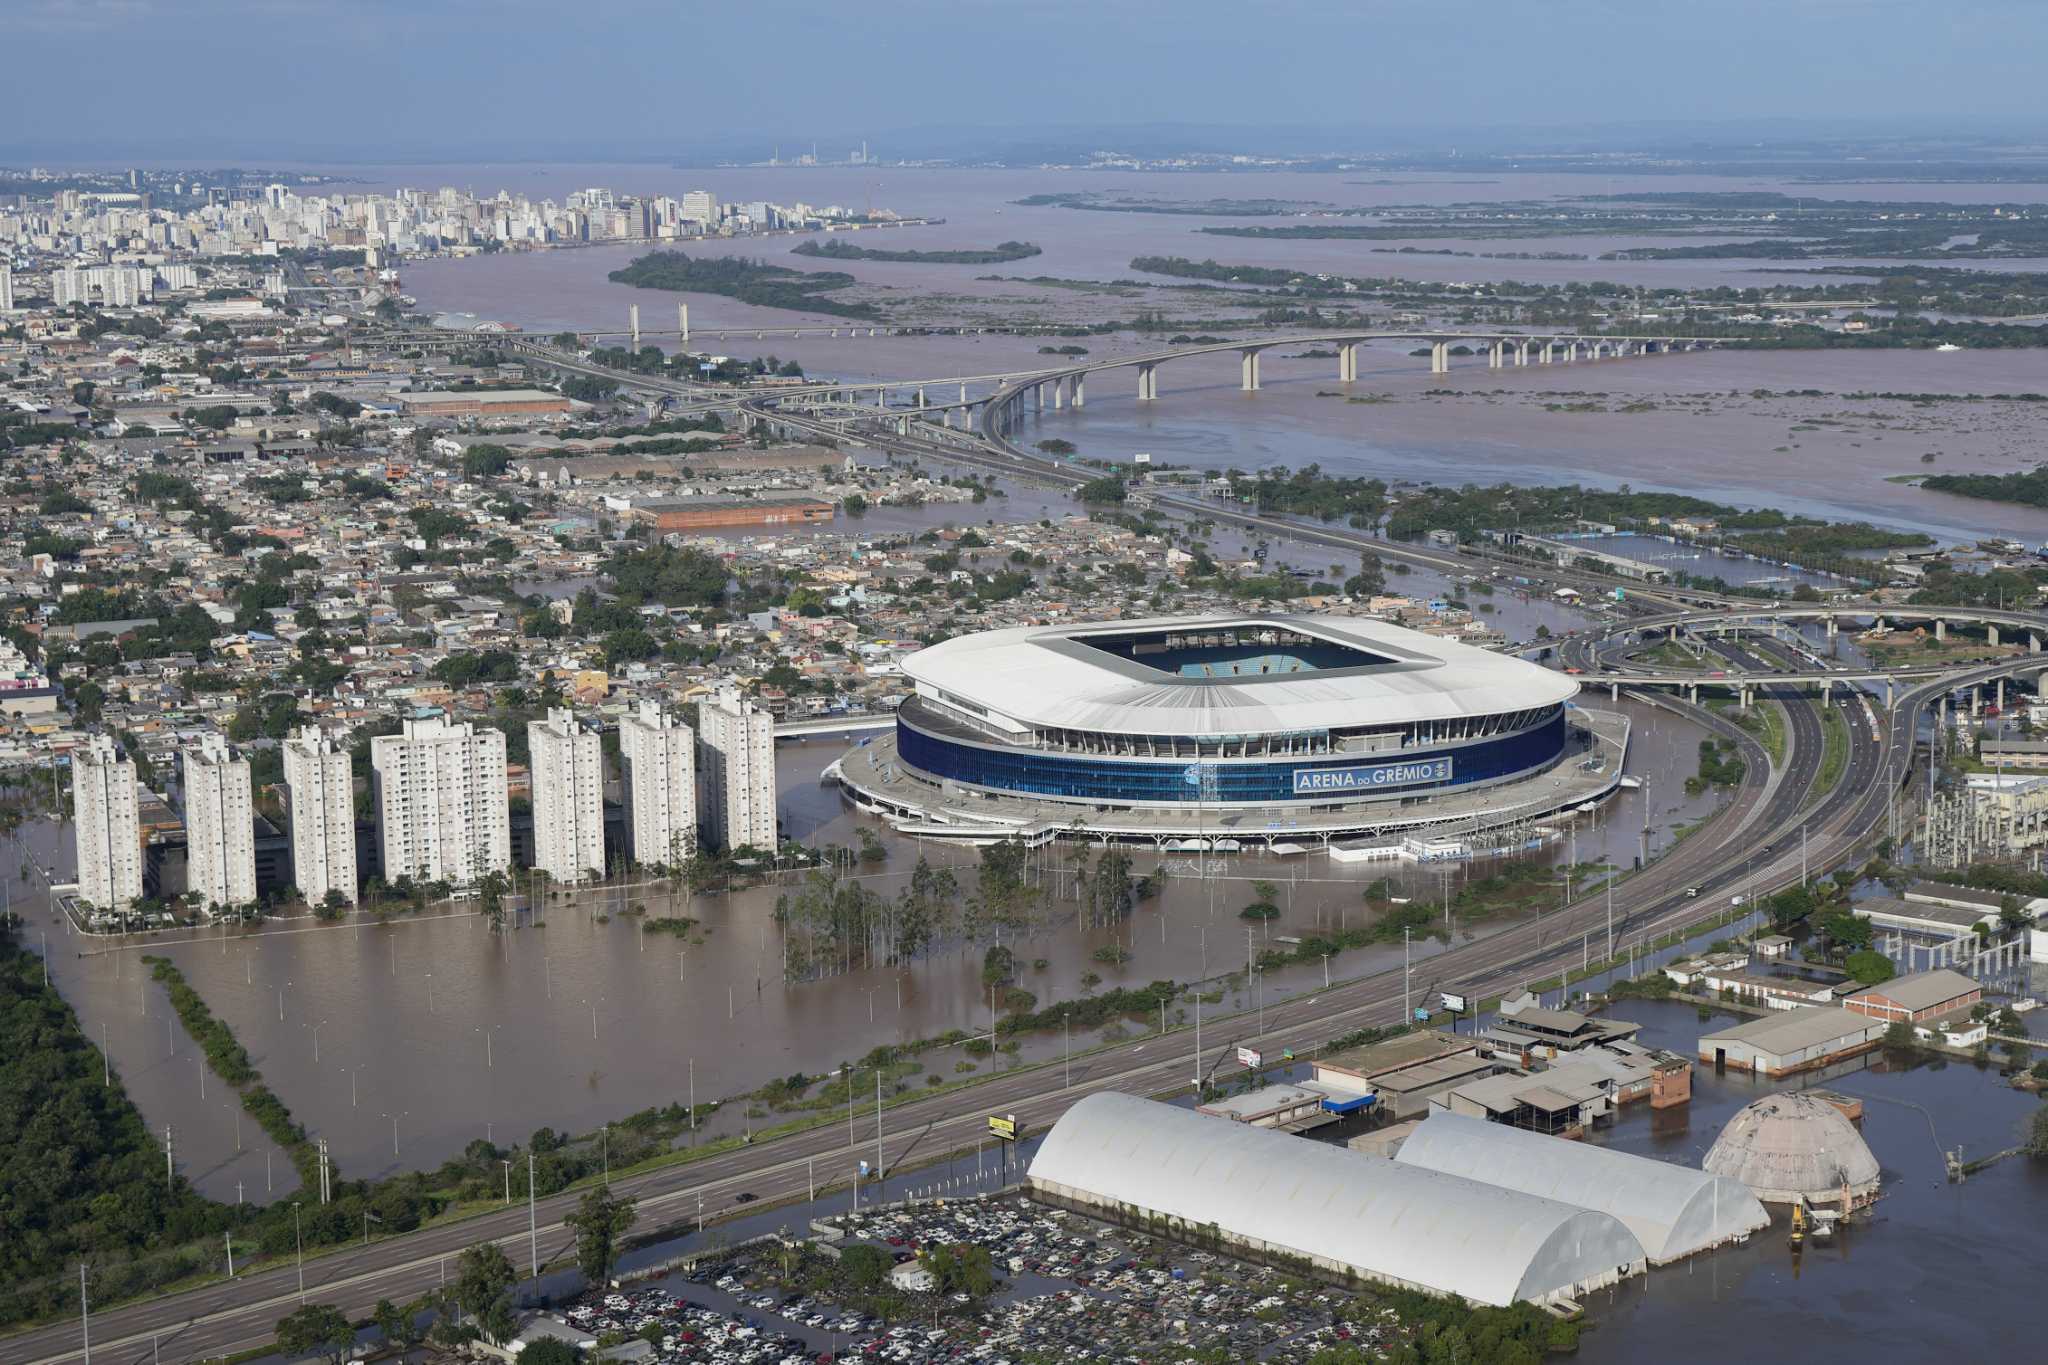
x,y
532,1219
1407,1011
878,1127
84,1312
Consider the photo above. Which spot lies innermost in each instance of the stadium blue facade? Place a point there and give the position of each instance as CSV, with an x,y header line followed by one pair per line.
x,y
1265,781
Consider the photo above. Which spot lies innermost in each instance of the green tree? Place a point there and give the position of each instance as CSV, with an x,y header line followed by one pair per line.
x,y
1869,967
601,1221
483,1288
552,1351
865,1265
963,1269
318,1328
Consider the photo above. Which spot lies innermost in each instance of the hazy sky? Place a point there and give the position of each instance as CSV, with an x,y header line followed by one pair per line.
x,y
191,79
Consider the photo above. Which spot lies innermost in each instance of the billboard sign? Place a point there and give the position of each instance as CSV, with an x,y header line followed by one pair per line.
x,y
1248,1057
1003,1126
1359,777
1453,1002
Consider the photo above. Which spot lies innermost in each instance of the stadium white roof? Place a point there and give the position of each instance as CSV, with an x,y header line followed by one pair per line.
x,y
1387,1221
1673,1210
1042,676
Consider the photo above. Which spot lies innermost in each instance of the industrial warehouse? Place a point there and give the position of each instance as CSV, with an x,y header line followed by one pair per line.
x,y
1674,1211
1228,731
1357,1217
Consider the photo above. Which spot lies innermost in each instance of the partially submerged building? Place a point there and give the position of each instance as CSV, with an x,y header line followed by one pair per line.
x,y
1673,1211
1787,1041
1262,1193
1792,1147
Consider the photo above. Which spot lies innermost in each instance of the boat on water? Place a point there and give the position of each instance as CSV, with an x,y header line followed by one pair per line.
x,y
1948,346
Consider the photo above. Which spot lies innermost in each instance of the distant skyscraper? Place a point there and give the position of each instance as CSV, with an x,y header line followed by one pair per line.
x,y
701,206
442,814
108,834
658,754
220,828
322,794
736,767
568,797
6,286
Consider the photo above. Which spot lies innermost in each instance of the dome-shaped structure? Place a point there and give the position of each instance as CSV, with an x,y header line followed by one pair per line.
x,y
1789,1146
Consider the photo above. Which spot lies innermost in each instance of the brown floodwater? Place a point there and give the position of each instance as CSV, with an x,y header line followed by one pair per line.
x,y
458,1033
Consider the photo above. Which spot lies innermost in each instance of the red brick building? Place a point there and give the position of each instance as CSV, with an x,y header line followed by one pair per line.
x,y
1923,995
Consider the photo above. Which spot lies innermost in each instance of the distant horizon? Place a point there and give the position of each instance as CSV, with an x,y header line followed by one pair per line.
x,y
408,80
1820,142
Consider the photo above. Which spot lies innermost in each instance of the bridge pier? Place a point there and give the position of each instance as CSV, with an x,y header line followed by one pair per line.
x,y
1521,354
1547,354
1940,630
1834,627
634,314
1248,366
1998,696
1887,694
1495,352
2033,642
1439,357
1614,692
1571,353
1080,390
1991,633
1038,395
1148,383
1347,362
1692,693
1059,394
920,397
1599,350
683,322
963,393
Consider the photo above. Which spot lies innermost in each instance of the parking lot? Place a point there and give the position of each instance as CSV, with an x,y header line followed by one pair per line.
x,y
1068,1287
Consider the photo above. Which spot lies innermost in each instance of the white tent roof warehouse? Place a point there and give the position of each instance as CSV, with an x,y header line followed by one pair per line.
x,y
1347,1212
1674,1211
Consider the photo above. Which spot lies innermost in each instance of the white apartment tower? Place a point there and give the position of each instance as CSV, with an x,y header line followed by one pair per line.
x,y
568,797
442,815
658,754
6,286
736,769
109,835
220,826
322,793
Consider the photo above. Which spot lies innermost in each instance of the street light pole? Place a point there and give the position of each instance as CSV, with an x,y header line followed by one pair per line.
x,y
532,1219
299,1241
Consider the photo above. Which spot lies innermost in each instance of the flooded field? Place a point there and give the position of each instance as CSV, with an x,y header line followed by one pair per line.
x,y
362,1026
1723,425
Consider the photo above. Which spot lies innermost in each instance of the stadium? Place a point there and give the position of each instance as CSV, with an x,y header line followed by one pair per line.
x,y
1256,727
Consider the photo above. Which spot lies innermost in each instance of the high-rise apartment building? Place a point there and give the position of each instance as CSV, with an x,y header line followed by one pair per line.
x,y
658,754
104,821
6,286
220,826
568,797
442,813
701,207
736,772
322,794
